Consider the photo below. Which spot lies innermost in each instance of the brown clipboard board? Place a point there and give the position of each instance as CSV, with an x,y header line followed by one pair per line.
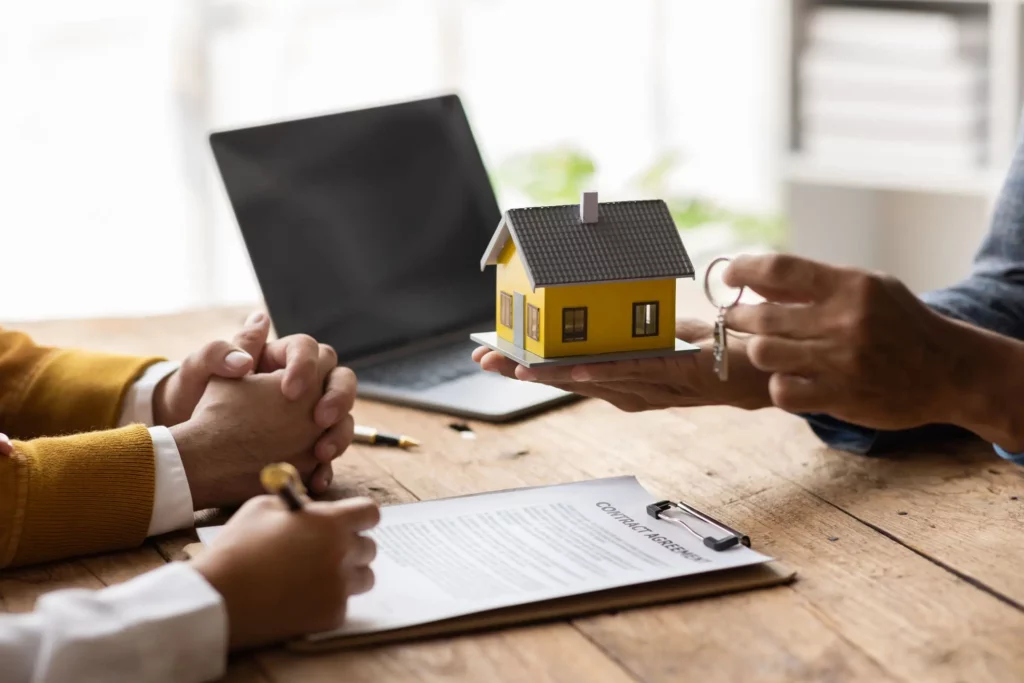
x,y
751,577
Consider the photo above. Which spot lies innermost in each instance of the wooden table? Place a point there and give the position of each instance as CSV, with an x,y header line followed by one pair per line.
x,y
911,568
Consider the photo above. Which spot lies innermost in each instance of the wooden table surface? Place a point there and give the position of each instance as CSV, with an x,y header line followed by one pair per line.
x,y
910,568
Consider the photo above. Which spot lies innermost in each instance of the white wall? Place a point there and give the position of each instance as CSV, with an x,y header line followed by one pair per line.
x,y
108,181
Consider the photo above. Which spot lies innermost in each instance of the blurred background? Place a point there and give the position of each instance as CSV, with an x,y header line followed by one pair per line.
x,y
868,133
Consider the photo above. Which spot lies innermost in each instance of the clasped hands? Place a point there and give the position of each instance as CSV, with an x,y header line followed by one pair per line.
x,y
234,407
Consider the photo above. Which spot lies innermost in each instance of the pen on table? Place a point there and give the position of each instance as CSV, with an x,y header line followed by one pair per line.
x,y
370,435
283,480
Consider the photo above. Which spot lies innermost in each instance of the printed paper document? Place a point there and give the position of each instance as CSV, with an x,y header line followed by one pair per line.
x,y
451,557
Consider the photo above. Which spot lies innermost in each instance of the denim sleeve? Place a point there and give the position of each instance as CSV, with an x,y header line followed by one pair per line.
x,y
991,297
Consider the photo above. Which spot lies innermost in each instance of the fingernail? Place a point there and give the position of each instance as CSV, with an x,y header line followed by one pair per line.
x,y
254,318
327,417
329,450
296,388
527,375
328,478
4,440
236,360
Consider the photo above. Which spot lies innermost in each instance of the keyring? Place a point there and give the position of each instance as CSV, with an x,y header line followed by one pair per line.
x,y
719,348
707,285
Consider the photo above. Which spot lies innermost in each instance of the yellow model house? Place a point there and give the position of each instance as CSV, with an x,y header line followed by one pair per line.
x,y
587,282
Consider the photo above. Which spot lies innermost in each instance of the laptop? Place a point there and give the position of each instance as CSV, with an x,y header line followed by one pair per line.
x,y
365,230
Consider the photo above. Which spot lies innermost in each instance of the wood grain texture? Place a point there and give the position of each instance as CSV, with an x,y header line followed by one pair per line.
x,y
173,336
554,653
880,595
20,588
956,502
775,635
868,595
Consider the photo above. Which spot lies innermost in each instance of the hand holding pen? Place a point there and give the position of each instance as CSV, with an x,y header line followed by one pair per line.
x,y
284,571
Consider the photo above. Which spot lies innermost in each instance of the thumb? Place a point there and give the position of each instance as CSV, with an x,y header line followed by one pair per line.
x,y
216,359
252,338
176,399
691,330
224,359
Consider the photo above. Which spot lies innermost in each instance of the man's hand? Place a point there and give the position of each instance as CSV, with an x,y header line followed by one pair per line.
x,y
298,356
856,345
242,424
284,574
652,383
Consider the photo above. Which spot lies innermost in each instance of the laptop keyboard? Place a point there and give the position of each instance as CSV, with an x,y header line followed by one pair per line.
x,y
423,370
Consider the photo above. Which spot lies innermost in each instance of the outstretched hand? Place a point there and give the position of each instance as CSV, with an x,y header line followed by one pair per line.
x,y
651,383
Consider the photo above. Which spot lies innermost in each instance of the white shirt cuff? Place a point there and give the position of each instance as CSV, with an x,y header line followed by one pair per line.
x,y
137,407
168,624
172,499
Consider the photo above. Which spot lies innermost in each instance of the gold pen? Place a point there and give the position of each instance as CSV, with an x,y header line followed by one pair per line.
x,y
283,479
372,436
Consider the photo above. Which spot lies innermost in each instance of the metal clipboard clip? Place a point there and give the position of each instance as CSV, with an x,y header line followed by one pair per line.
x,y
732,539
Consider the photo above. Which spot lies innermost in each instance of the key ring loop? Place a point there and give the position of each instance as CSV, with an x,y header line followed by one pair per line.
x,y
707,285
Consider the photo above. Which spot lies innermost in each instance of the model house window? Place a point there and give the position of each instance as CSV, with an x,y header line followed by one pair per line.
x,y
506,309
533,322
574,324
645,319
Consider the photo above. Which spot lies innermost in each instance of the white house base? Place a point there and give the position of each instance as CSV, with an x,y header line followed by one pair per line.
x,y
492,341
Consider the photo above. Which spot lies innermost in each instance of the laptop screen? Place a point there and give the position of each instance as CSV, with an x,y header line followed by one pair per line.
x,y
365,228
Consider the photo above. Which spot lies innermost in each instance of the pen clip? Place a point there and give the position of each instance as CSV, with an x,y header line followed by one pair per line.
x,y
731,540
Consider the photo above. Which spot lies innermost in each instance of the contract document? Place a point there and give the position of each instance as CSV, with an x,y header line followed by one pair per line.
x,y
447,558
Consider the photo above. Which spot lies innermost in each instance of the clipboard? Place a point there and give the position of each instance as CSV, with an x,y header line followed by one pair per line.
x,y
738,579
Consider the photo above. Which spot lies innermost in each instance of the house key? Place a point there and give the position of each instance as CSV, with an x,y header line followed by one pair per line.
x,y
720,347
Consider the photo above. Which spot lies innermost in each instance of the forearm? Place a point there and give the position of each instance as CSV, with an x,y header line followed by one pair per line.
x,y
977,389
73,495
48,392
986,374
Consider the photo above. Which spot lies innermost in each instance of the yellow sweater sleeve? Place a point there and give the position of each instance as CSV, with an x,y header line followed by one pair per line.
x,y
47,391
73,488
72,495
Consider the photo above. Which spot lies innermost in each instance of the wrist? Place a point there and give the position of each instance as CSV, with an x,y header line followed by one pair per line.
x,y
161,411
984,371
192,445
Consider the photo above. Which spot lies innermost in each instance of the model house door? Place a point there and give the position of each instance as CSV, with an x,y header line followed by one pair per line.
x,y
519,320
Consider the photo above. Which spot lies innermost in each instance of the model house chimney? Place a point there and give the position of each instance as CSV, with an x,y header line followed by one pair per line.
x,y
588,207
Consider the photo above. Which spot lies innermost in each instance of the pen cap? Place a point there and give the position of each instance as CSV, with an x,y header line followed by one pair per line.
x,y
278,476
365,432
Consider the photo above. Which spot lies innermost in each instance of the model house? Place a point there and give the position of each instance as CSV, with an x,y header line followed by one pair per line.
x,y
587,280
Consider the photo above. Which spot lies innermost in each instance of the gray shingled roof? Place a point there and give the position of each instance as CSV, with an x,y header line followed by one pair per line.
x,y
635,240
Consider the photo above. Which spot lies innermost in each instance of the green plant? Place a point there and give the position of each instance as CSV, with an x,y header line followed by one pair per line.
x,y
692,212
553,176
558,175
